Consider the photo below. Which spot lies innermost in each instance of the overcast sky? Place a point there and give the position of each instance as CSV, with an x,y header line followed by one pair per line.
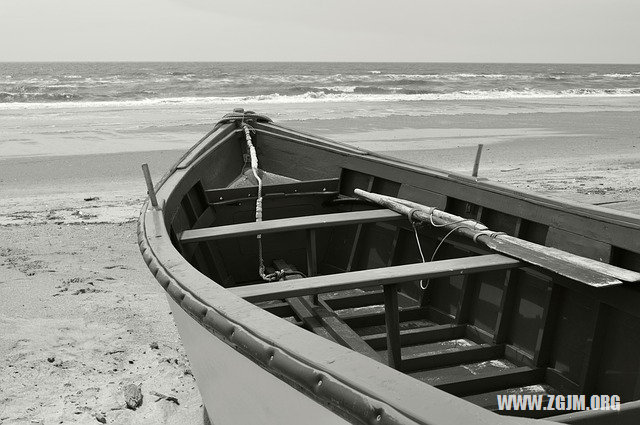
x,y
321,30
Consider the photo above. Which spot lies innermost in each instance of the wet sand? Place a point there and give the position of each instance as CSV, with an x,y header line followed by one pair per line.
x,y
80,312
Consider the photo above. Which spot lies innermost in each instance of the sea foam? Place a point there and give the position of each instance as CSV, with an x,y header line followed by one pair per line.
x,y
321,96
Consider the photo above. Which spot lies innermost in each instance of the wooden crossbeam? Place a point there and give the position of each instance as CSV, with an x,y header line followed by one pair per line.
x,y
419,335
365,318
507,378
326,186
471,354
350,300
280,309
373,277
286,224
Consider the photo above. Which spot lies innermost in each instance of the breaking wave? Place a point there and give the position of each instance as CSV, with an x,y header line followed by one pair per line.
x,y
57,85
331,95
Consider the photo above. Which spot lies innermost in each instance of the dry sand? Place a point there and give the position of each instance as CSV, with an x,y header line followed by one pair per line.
x,y
79,311
80,314
590,157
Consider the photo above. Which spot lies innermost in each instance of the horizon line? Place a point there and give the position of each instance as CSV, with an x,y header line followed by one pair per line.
x,y
323,61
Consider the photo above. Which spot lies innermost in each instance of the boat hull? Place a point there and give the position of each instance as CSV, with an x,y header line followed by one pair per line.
x,y
238,391
254,367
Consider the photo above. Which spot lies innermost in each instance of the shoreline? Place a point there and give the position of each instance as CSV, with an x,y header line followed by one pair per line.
x,y
589,157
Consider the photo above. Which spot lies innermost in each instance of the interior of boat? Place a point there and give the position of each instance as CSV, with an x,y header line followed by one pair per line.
x,y
430,303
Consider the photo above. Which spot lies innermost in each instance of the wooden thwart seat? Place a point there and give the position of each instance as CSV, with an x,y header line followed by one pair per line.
x,y
381,276
287,224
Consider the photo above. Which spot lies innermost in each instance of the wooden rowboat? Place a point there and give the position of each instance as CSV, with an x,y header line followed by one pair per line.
x,y
348,323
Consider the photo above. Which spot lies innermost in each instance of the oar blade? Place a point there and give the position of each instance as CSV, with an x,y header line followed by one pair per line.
x,y
561,267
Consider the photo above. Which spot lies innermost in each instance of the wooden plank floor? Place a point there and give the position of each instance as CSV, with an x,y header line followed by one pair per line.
x,y
446,356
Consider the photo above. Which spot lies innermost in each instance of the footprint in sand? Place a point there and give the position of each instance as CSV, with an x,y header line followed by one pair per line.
x,y
66,285
17,259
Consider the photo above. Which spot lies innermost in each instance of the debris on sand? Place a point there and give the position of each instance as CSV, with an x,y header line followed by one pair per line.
x,y
83,215
91,198
133,396
154,345
165,397
100,417
86,291
52,215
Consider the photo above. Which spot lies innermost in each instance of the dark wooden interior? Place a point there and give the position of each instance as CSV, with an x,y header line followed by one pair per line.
x,y
486,324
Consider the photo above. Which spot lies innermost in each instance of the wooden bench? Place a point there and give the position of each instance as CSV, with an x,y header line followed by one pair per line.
x,y
382,276
388,277
287,224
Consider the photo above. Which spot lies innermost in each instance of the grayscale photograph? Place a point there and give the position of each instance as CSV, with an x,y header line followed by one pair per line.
x,y
336,212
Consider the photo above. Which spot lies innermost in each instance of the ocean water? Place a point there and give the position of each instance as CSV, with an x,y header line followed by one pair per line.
x,y
84,108
50,85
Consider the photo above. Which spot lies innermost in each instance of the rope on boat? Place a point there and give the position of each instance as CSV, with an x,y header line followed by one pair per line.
x,y
415,223
254,167
278,274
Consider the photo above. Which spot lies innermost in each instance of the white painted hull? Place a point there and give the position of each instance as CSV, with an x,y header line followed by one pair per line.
x,y
235,390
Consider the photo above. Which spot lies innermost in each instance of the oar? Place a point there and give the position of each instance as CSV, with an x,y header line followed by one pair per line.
x,y
604,268
581,269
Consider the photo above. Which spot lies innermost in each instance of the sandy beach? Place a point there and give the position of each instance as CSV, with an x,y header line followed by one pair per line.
x,y
590,157
82,317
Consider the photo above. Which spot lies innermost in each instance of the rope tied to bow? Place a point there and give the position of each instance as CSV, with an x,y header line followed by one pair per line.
x,y
254,168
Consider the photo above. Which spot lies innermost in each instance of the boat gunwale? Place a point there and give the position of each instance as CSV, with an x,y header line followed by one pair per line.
x,y
575,207
199,304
